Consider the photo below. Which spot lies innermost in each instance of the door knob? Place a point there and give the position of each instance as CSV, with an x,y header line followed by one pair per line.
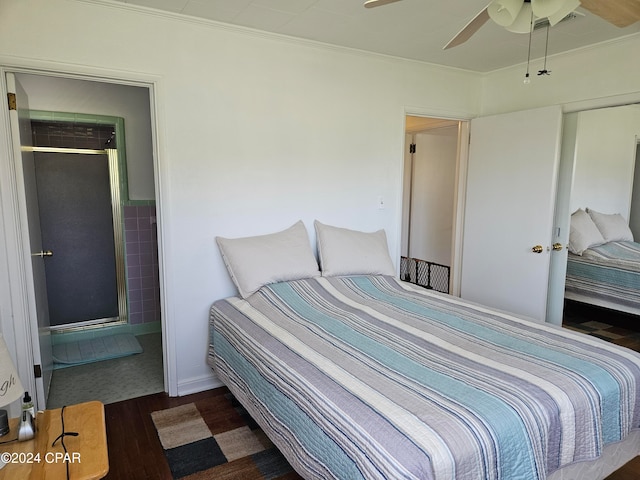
x,y
537,249
43,253
557,247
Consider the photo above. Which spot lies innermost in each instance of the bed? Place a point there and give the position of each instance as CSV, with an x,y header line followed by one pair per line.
x,y
364,376
607,275
603,264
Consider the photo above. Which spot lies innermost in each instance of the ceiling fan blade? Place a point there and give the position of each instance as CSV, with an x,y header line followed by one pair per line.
x,y
377,3
620,13
469,29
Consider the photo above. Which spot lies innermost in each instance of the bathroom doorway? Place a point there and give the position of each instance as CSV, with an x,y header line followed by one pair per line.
x,y
77,126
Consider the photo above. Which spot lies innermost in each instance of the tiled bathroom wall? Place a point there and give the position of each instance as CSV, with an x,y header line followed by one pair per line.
x,y
141,248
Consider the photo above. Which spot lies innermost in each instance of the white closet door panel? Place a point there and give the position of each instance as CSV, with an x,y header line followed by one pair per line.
x,y
511,191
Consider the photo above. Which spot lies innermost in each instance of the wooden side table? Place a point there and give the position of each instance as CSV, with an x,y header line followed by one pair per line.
x,y
37,459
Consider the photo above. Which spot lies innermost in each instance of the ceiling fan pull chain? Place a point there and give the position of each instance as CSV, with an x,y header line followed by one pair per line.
x,y
544,70
527,79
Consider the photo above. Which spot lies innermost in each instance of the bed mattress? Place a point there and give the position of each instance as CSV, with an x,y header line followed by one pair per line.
x,y
369,377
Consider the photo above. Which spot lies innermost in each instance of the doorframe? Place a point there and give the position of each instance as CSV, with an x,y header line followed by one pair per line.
x,y
16,309
462,161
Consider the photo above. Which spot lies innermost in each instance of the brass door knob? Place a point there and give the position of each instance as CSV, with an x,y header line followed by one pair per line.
x,y
557,247
537,249
43,253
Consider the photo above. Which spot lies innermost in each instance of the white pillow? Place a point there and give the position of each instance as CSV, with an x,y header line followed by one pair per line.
x,y
277,257
349,252
583,233
613,227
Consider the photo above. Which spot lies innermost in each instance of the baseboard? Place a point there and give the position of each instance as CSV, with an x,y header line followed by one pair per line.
x,y
146,328
198,384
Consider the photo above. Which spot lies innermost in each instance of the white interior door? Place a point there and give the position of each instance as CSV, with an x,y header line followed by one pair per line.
x,y
38,304
510,199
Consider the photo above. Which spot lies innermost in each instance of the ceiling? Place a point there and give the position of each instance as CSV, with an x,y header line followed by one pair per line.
x,y
413,29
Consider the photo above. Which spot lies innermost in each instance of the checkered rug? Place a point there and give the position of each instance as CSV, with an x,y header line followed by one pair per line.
x,y
606,331
221,441
610,325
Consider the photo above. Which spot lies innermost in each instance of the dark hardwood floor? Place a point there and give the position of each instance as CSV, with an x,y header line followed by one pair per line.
x,y
631,471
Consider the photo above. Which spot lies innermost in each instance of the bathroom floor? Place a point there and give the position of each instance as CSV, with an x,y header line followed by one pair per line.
x,y
111,380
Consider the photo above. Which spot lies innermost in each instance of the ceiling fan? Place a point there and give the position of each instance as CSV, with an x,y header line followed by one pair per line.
x,y
516,15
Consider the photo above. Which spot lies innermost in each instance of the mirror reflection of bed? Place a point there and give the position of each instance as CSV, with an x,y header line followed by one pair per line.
x,y
603,268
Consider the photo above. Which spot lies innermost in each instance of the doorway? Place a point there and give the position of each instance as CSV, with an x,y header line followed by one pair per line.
x,y
430,203
131,303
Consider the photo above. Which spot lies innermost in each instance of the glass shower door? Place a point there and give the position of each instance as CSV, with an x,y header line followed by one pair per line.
x,y
75,198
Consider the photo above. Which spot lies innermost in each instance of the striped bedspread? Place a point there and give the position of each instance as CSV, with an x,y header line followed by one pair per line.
x,y
609,272
369,377
622,255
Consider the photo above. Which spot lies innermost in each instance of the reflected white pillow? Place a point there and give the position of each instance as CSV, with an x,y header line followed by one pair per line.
x,y
583,233
277,257
613,227
350,252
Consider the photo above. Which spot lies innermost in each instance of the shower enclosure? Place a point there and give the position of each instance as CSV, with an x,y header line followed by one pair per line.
x,y
79,205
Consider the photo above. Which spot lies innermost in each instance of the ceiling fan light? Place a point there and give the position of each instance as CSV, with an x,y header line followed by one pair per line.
x,y
548,8
544,8
568,7
522,23
504,12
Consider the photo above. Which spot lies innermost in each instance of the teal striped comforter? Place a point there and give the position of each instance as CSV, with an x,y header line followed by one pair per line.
x,y
608,272
369,377
624,255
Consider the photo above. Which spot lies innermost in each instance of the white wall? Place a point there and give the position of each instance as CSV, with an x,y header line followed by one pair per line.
x,y
57,94
254,132
605,155
605,75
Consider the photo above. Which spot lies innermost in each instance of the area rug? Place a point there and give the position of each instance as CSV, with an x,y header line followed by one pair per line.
x,y
94,350
218,441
